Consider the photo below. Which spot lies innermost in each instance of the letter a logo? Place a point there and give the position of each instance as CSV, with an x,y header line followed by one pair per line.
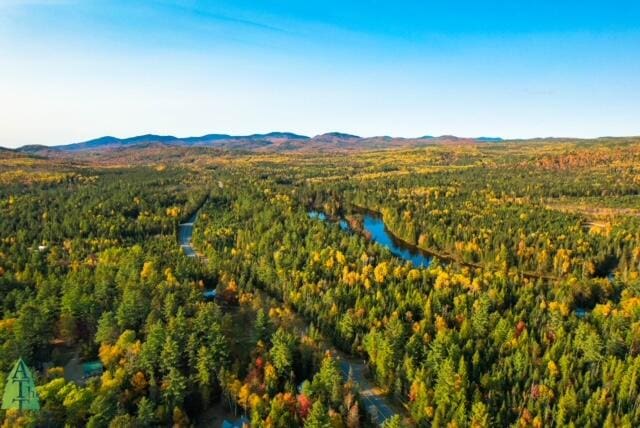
x,y
20,390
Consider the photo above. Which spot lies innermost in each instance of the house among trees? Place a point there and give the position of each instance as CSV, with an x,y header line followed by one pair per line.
x,y
92,368
240,423
210,294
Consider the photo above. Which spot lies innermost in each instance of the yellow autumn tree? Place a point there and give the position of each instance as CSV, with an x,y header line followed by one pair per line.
x,y
380,272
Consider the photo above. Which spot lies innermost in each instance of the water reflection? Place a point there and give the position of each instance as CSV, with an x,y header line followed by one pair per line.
x,y
379,234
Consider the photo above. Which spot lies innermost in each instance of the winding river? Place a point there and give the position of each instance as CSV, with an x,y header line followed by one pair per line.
x,y
374,227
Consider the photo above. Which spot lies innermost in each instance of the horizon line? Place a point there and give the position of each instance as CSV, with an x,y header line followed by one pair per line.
x,y
302,135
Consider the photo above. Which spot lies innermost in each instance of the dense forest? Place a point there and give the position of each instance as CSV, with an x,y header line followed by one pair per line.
x,y
528,314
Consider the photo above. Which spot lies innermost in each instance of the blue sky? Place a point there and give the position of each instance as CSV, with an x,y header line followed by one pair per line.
x,y
72,70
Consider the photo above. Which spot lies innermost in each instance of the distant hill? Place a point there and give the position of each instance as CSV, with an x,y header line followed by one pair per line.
x,y
109,142
272,141
11,153
336,136
8,154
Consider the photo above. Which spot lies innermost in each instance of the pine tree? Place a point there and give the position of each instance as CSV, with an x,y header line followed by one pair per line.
x,y
282,351
445,386
479,415
174,387
318,418
263,327
146,416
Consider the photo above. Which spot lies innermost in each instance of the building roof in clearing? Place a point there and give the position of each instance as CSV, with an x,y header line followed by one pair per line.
x,y
92,367
240,423
210,294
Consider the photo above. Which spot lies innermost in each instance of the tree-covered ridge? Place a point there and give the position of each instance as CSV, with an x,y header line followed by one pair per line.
x,y
535,323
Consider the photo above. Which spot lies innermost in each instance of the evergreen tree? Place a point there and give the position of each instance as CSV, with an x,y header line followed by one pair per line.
x,y
318,417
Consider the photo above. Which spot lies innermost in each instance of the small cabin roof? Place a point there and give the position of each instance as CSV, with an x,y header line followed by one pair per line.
x,y
240,423
92,367
210,294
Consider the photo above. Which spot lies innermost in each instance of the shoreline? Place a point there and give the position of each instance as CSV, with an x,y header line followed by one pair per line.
x,y
435,254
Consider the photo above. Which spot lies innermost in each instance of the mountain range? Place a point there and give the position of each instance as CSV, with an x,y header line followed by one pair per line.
x,y
273,141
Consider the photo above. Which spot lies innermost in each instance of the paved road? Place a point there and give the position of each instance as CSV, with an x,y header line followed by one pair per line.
x,y
377,405
375,402
185,232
